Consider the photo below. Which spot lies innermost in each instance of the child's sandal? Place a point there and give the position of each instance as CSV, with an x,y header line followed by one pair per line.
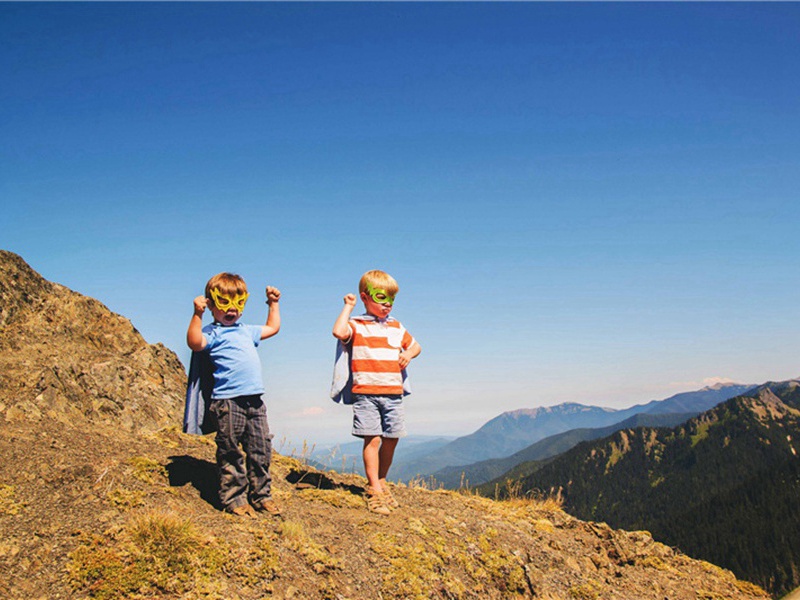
x,y
388,497
241,510
376,503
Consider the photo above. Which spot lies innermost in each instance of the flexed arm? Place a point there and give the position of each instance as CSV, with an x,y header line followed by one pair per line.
x,y
341,330
273,324
194,335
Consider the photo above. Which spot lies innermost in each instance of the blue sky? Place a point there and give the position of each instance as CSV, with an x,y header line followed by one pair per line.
x,y
581,202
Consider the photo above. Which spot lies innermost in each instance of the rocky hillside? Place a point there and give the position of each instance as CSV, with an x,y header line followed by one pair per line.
x,y
104,504
68,357
98,513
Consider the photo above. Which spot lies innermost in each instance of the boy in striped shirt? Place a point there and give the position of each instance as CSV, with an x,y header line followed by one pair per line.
x,y
380,349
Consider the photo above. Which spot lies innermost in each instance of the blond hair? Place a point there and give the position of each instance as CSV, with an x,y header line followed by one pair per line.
x,y
228,284
378,280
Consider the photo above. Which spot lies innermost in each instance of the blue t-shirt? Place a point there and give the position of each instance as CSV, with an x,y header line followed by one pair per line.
x,y
237,369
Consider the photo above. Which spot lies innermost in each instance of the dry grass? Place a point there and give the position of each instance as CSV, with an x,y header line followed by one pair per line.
x,y
126,499
338,498
425,483
512,492
424,562
294,536
511,501
147,470
654,562
586,591
748,588
259,563
173,437
154,554
539,502
8,504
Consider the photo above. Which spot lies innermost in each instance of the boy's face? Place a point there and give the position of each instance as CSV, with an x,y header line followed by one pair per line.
x,y
377,302
226,309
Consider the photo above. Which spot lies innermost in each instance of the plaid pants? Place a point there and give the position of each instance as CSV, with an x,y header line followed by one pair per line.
x,y
242,420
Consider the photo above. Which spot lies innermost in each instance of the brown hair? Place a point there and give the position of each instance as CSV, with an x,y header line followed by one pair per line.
x,y
229,284
380,280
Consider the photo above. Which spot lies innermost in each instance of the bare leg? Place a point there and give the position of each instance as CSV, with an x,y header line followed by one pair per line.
x,y
372,460
386,455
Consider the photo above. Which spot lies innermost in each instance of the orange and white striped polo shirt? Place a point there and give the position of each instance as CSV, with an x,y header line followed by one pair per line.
x,y
375,355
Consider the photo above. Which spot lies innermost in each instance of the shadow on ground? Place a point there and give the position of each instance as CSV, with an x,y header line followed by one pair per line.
x,y
202,474
314,479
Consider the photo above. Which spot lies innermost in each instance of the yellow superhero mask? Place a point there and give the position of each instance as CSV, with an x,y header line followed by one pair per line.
x,y
379,295
224,302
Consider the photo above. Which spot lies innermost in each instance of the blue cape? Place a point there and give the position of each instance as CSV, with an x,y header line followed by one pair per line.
x,y
197,419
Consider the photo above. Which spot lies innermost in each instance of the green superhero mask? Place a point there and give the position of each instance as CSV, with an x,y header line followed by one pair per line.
x,y
380,296
224,302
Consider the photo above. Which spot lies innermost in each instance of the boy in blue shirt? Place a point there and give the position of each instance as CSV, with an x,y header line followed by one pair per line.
x,y
236,400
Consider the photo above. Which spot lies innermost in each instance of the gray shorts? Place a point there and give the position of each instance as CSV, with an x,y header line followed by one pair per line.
x,y
378,415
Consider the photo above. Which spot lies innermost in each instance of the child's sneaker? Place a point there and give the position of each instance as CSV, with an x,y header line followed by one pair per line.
x,y
242,510
268,506
388,498
376,502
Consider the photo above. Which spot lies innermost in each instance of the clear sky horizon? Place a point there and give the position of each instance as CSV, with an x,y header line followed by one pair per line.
x,y
582,202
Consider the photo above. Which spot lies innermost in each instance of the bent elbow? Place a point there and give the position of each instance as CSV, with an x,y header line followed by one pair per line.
x,y
341,335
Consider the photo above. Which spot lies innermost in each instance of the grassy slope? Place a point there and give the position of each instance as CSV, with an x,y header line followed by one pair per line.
x,y
95,512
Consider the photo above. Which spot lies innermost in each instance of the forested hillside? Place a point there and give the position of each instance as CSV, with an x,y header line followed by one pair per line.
x,y
723,487
514,431
528,459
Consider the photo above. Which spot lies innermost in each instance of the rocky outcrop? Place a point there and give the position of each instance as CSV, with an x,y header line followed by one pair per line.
x,y
69,357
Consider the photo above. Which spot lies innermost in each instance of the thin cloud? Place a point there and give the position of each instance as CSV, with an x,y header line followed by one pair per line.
x,y
707,382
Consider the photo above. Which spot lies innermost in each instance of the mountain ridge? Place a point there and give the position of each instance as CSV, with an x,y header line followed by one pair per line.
x,y
499,469
722,486
512,431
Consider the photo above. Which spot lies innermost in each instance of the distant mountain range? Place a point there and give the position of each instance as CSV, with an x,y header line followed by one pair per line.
x,y
724,487
529,459
513,431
